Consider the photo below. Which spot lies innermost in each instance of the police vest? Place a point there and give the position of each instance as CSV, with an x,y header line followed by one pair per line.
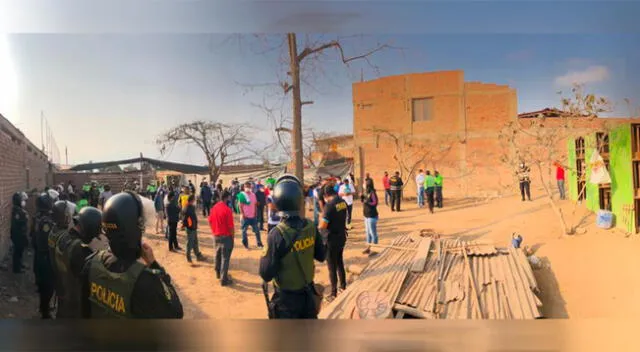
x,y
289,276
68,288
54,236
110,293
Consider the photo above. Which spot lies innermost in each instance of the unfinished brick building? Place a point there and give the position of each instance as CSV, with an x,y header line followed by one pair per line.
x,y
461,119
457,122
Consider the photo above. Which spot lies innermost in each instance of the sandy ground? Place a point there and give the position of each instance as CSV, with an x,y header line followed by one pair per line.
x,y
588,275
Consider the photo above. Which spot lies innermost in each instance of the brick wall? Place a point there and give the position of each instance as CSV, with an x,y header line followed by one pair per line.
x,y
465,120
467,116
22,168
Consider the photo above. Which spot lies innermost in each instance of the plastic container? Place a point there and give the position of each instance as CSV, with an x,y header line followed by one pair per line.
x,y
604,219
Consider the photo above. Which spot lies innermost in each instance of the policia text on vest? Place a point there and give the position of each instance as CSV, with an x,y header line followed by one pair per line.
x,y
108,298
111,292
288,261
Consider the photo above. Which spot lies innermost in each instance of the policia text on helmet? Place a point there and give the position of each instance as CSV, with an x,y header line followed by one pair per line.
x,y
118,285
288,257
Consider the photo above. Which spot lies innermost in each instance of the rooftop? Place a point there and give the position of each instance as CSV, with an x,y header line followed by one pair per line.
x,y
546,112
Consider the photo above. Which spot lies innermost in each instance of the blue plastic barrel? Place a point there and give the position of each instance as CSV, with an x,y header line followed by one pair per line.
x,y
604,219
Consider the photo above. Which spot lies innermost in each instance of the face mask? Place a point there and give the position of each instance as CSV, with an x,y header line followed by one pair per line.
x,y
23,204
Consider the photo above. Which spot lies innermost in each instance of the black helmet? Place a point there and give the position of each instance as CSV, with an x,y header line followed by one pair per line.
x,y
16,199
123,223
60,214
90,223
288,196
44,202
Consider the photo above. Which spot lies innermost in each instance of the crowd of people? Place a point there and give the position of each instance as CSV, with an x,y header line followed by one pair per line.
x,y
88,283
122,281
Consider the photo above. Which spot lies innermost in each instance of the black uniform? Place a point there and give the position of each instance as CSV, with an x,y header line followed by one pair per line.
x,y
335,214
69,256
114,282
289,254
43,268
19,230
286,303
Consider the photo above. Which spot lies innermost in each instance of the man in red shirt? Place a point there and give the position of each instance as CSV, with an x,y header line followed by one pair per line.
x,y
560,179
222,228
387,188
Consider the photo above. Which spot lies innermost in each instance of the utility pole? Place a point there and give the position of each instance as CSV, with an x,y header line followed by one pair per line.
x,y
66,156
42,129
296,137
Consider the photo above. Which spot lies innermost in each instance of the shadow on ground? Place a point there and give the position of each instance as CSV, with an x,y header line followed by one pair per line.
x,y
553,305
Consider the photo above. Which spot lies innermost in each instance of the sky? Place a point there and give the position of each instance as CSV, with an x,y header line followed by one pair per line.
x,y
107,93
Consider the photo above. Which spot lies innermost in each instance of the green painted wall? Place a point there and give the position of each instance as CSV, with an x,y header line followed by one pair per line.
x,y
572,176
621,172
620,169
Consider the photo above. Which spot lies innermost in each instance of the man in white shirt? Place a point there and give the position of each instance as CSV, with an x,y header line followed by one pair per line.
x,y
420,187
346,192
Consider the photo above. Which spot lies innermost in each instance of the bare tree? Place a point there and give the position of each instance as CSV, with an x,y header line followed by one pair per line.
x,y
310,140
302,62
222,143
409,152
539,141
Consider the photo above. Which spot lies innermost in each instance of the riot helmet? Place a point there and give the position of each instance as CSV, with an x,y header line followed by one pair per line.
x,y
123,224
44,203
90,223
16,199
60,214
288,196
54,195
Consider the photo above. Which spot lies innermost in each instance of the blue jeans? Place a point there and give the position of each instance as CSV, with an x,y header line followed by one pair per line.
x,y
420,196
371,228
245,223
561,188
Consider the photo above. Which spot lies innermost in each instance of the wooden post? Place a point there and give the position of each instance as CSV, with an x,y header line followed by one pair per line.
x,y
473,282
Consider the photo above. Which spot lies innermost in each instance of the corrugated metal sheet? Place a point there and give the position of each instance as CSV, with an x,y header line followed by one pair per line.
x,y
485,284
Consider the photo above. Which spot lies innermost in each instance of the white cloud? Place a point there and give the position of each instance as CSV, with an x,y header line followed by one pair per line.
x,y
591,74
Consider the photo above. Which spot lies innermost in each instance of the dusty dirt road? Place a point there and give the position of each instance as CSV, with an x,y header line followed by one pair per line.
x,y
591,275
588,276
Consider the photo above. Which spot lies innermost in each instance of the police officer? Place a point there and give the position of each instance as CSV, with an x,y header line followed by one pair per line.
x,y
61,219
70,250
19,229
43,269
288,256
115,283
94,195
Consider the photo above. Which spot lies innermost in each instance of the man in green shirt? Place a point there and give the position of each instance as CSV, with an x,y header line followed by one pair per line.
x,y
429,186
438,178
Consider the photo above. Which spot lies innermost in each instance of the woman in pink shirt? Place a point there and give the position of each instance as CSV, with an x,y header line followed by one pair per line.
x,y
248,212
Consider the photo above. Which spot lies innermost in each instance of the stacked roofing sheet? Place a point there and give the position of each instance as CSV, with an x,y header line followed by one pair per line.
x,y
457,280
